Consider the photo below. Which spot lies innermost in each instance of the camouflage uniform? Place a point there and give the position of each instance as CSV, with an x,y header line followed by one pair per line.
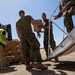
x,y
30,47
68,15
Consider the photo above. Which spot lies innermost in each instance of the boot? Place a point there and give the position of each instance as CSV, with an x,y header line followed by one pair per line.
x,y
28,66
56,59
41,66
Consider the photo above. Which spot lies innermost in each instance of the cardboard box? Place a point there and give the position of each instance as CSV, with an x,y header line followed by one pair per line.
x,y
39,25
17,58
9,59
7,53
15,52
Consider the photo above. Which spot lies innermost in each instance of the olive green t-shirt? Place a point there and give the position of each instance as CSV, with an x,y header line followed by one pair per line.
x,y
24,24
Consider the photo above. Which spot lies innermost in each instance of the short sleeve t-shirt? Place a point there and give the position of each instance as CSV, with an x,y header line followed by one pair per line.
x,y
24,24
46,21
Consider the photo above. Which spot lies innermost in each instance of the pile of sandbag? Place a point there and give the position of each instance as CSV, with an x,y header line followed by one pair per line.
x,y
12,52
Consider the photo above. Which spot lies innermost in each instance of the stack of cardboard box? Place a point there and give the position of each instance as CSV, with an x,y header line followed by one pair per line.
x,y
12,51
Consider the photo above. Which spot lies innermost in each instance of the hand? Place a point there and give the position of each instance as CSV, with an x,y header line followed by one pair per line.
x,y
38,34
64,9
55,17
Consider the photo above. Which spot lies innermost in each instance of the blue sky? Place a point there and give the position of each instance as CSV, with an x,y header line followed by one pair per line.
x,y
9,14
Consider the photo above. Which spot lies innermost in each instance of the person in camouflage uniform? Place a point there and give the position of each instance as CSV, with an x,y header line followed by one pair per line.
x,y
67,9
46,35
30,46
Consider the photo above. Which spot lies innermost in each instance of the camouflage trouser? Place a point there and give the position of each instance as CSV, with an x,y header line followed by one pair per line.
x,y
2,59
52,42
30,48
68,22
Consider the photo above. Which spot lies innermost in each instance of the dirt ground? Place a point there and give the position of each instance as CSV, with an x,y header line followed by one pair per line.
x,y
66,66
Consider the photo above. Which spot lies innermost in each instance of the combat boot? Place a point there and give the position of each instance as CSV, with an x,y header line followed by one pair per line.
x,y
28,66
41,66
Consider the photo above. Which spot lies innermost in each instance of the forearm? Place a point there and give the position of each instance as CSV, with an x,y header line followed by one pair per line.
x,y
59,14
18,33
45,27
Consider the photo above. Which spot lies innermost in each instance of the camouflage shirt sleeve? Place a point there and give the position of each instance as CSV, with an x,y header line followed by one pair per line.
x,y
70,4
60,13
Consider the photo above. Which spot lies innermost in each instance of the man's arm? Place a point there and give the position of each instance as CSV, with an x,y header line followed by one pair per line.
x,y
68,5
59,14
47,27
36,27
18,33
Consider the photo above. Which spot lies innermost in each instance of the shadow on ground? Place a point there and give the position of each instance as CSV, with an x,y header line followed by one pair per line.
x,y
47,72
65,65
7,70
